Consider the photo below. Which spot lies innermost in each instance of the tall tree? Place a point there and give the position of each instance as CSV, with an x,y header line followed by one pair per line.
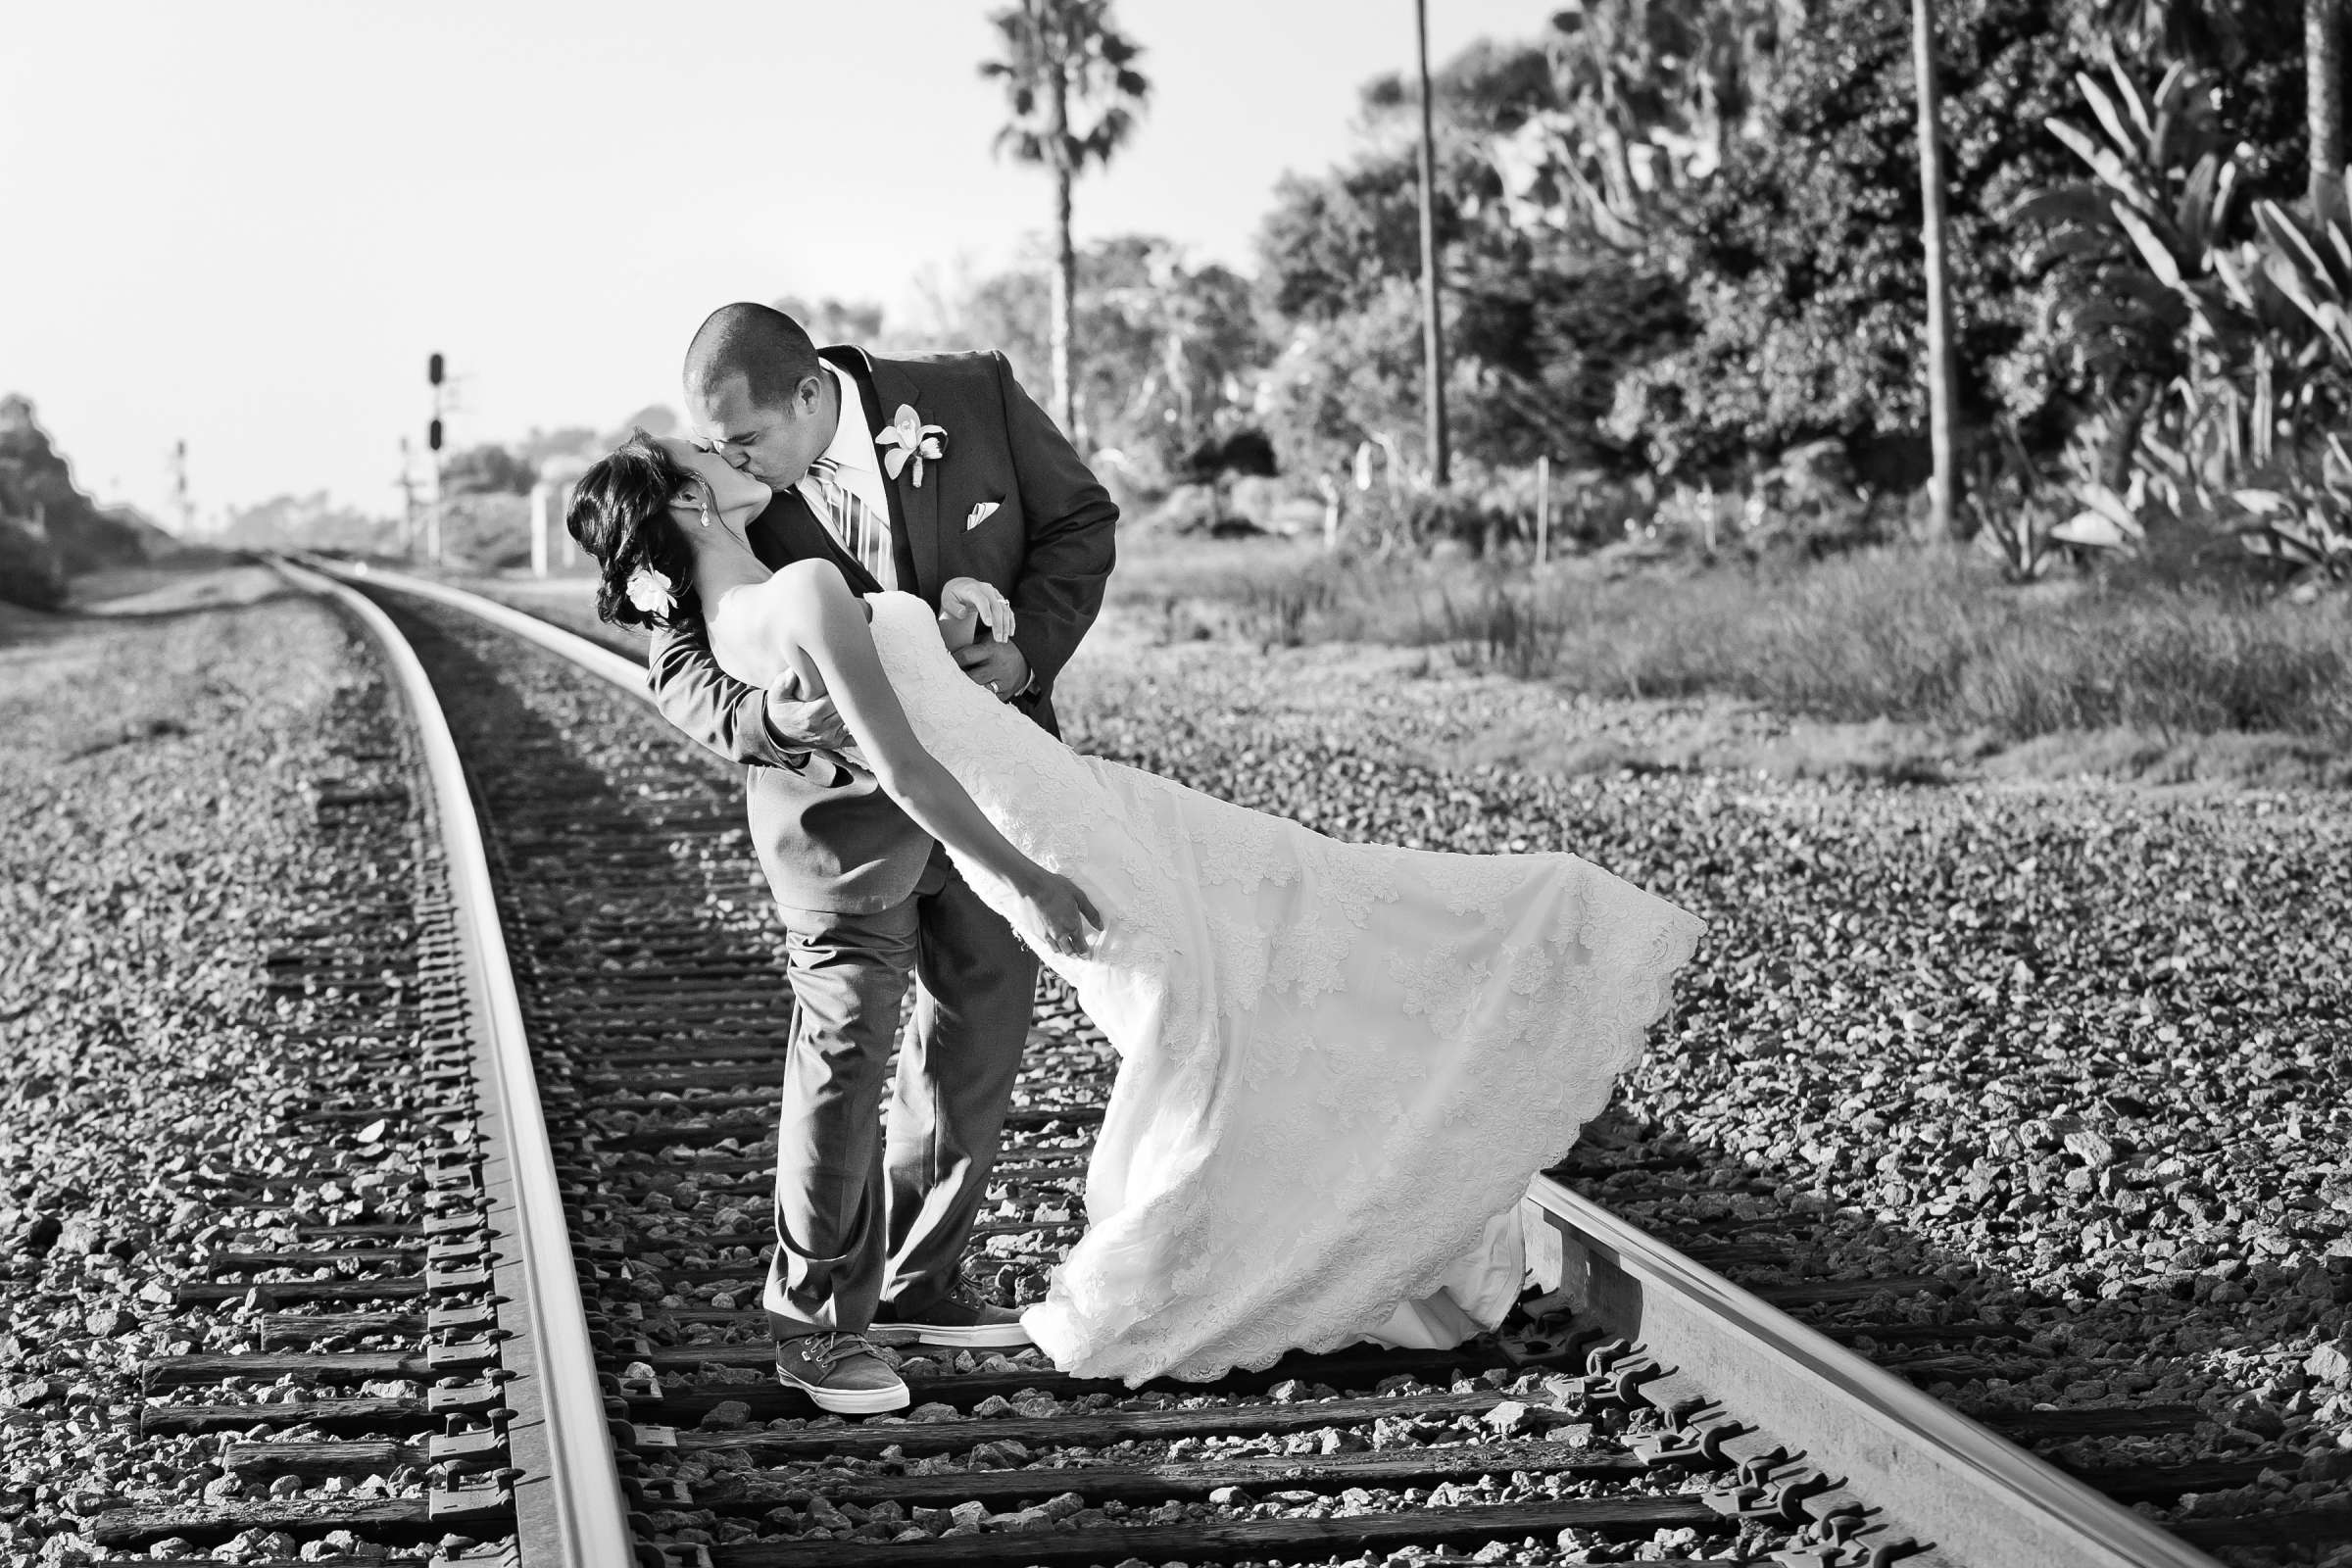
x,y
1070,80
1935,234
2324,100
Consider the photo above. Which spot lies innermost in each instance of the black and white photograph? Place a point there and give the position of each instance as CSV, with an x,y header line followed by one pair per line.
x,y
1162,783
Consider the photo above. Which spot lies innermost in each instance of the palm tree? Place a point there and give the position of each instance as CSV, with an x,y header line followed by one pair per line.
x,y
1071,79
1943,399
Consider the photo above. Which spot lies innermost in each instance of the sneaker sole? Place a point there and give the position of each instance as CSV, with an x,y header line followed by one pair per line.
x,y
848,1401
974,1337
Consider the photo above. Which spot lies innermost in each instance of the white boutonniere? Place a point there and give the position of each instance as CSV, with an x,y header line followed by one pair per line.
x,y
910,439
652,593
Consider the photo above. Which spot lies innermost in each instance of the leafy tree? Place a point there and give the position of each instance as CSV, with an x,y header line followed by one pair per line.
x,y
488,470
1169,350
1543,319
1190,338
654,419
1548,334
1350,377
1332,244
1650,99
565,441
1802,260
1765,165
1072,85
37,490
313,521
31,574
832,321
2258,50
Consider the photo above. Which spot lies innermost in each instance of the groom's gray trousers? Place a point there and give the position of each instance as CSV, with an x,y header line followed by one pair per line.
x,y
864,1215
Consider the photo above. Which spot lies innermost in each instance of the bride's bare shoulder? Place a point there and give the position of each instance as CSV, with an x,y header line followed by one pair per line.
x,y
814,583
814,576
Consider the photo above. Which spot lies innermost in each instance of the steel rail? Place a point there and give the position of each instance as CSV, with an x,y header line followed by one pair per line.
x,y
1946,1481
570,1508
1964,1492
627,674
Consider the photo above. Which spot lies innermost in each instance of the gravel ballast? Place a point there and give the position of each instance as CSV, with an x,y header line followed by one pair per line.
x,y
167,780
2082,1050
2078,1052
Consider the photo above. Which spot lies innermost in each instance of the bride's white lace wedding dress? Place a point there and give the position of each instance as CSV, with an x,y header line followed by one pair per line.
x,y
1339,1063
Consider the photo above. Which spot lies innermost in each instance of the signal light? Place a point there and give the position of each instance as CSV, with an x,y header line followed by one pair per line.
x,y
432,369
433,435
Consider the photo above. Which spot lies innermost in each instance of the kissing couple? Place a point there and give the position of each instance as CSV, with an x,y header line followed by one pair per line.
x,y
1339,1063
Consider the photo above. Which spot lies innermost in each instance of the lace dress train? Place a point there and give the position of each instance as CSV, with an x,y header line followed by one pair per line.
x,y
1339,1063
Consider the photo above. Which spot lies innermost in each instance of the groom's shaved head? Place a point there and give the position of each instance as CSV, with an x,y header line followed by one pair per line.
x,y
770,350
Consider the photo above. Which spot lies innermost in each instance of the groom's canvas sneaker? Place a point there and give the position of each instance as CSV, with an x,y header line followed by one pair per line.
x,y
958,1320
840,1372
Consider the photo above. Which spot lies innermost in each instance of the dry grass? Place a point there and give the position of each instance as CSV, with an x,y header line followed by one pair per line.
x,y
1915,636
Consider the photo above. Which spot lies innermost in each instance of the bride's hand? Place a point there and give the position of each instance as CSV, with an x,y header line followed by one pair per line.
x,y
969,596
1056,911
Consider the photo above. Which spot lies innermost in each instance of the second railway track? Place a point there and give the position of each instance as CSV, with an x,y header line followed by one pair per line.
x,y
1650,1407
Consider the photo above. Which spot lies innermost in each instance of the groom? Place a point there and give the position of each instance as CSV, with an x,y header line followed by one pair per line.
x,y
869,1232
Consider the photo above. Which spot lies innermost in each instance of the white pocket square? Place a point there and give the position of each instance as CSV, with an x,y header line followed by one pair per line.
x,y
980,514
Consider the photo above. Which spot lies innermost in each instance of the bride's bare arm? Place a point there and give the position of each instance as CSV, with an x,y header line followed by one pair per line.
x,y
808,604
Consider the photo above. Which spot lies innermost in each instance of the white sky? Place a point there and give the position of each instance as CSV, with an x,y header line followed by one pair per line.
x,y
246,224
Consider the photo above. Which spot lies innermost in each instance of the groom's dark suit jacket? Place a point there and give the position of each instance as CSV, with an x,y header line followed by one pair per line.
x,y
827,836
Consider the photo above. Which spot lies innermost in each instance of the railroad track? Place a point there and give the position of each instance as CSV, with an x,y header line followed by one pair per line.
x,y
510,1307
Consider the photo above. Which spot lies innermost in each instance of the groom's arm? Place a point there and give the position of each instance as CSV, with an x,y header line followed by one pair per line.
x,y
1070,520
721,713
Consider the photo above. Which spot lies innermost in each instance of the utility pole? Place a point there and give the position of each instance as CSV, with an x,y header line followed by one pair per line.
x,y
435,372
182,507
1942,415
1433,332
2324,99
1542,508
408,501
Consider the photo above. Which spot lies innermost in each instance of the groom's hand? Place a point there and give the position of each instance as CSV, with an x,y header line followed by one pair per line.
x,y
803,726
997,665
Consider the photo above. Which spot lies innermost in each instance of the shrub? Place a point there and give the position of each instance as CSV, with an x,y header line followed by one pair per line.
x,y
487,529
1803,255
1925,635
30,574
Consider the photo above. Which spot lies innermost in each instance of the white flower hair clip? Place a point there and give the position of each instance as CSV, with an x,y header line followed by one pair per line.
x,y
652,594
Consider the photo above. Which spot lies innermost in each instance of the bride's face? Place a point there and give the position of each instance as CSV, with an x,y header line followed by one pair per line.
x,y
726,491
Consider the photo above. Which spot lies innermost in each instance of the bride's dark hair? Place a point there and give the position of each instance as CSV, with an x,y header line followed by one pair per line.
x,y
620,515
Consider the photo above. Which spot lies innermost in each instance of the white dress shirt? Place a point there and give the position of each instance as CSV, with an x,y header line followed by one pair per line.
x,y
859,472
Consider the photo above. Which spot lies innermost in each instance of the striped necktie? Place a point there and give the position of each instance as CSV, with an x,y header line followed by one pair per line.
x,y
853,522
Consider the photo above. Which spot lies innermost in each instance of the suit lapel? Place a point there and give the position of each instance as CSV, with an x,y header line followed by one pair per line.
x,y
882,386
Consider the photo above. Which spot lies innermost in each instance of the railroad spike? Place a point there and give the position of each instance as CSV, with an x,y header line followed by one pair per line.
x,y
462,1355
459,1319
472,1444
473,1500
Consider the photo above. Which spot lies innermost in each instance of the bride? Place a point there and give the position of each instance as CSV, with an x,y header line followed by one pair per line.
x,y
1339,1063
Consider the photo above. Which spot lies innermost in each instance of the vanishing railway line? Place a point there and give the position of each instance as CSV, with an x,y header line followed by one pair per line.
x,y
545,1340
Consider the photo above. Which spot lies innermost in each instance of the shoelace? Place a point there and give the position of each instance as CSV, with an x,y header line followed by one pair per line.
x,y
823,1349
